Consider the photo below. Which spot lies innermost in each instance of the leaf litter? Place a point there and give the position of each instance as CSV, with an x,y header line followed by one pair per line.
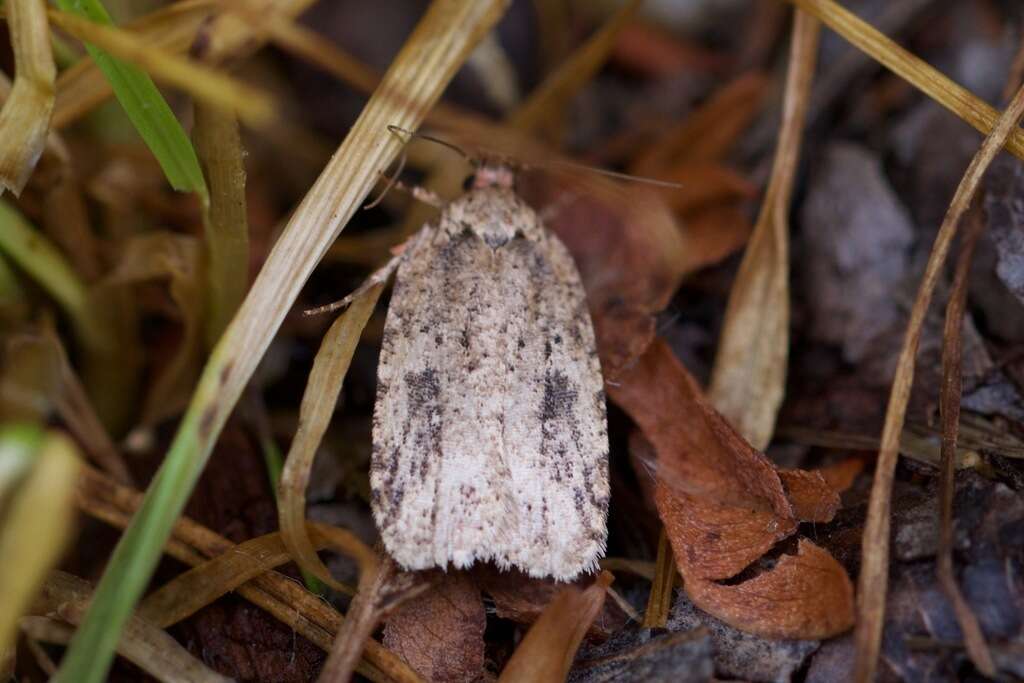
x,y
764,524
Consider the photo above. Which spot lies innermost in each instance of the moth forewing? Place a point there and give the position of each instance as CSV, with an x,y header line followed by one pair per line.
x,y
490,436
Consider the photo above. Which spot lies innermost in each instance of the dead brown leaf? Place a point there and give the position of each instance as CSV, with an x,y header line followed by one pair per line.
x,y
807,595
440,633
713,233
522,599
722,502
709,132
813,498
547,651
705,183
724,505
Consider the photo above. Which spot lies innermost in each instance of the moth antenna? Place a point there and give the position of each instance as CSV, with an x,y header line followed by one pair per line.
x,y
391,182
430,138
615,174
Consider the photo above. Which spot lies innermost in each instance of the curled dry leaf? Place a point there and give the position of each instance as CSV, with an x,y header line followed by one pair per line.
x,y
807,595
724,505
522,599
318,401
740,506
812,495
440,633
546,653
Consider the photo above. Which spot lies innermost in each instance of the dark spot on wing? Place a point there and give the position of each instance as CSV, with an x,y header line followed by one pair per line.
x,y
423,387
559,396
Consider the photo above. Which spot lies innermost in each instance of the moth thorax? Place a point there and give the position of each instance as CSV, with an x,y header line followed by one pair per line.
x,y
494,214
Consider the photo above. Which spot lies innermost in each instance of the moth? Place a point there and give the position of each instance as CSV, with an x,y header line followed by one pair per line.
x,y
490,438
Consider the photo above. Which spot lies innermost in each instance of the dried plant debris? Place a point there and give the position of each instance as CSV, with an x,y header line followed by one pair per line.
x,y
734,541
440,633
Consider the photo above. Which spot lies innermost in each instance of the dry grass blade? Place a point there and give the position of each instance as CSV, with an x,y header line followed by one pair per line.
x,y
174,28
250,104
749,376
546,101
659,602
874,572
154,651
381,589
546,652
187,593
35,526
25,117
417,77
949,406
911,68
219,148
310,616
82,87
315,413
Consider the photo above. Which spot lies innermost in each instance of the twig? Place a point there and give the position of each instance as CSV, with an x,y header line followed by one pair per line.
x,y
949,408
874,574
659,602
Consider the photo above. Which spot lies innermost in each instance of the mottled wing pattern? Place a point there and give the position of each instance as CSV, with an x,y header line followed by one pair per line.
x,y
490,435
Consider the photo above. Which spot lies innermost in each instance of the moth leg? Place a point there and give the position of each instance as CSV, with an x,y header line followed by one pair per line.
x,y
418,193
422,194
379,276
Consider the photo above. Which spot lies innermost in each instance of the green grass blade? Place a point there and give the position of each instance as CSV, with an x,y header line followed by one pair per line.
x,y
146,108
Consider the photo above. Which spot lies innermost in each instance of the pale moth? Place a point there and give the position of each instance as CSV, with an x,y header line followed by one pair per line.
x,y
490,438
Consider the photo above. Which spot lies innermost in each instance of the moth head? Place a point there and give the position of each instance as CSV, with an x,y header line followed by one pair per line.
x,y
491,173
